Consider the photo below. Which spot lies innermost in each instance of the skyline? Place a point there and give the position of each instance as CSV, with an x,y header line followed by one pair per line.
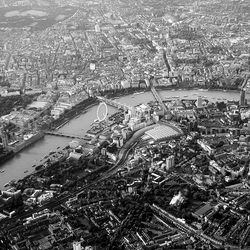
x,y
124,124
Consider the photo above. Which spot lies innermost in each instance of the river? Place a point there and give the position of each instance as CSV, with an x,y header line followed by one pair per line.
x,y
23,161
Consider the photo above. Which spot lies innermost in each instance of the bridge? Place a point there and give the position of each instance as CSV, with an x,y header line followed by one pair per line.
x,y
158,98
115,104
60,134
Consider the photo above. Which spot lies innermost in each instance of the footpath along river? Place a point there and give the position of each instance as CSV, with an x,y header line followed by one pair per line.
x,y
23,161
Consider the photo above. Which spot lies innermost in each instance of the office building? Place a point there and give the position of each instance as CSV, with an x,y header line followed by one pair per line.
x,y
169,162
199,102
77,245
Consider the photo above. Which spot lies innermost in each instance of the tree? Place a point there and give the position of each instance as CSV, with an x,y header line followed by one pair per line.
x,y
221,106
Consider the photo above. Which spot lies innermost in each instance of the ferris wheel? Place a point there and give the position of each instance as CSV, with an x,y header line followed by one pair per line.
x,y
102,111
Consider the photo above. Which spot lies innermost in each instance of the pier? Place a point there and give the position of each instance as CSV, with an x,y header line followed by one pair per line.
x,y
115,104
60,134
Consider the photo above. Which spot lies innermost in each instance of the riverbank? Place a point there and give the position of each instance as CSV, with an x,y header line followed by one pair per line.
x,y
88,103
72,113
92,101
25,143
180,87
15,167
82,107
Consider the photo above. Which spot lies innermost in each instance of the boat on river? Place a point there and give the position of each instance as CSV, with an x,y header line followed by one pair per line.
x,y
138,93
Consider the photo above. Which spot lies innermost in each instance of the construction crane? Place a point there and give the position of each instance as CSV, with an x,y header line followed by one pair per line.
x,y
243,90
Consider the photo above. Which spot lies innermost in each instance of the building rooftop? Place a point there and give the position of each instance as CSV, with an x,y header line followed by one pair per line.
x,y
161,132
203,210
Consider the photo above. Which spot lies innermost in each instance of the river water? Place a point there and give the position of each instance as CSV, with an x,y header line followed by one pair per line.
x,y
23,161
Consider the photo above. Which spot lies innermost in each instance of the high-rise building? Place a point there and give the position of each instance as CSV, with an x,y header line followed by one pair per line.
x,y
97,28
242,97
170,162
104,151
199,102
77,245
92,66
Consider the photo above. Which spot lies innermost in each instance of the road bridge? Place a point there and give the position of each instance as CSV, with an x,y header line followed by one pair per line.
x,y
60,134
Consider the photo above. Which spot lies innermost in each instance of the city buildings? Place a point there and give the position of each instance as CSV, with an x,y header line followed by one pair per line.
x,y
167,174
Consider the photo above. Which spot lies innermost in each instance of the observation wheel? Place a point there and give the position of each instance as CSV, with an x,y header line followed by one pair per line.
x,y
102,111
